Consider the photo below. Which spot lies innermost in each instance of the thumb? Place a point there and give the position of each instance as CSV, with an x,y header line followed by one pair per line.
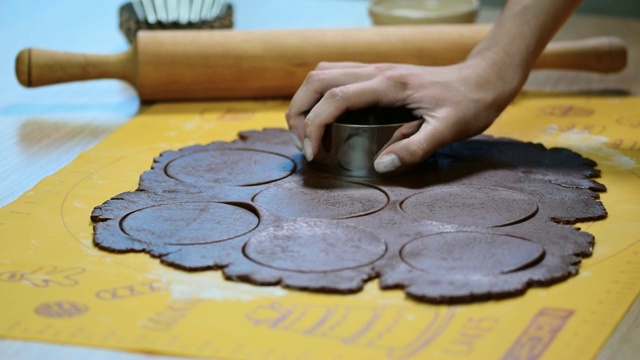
x,y
410,147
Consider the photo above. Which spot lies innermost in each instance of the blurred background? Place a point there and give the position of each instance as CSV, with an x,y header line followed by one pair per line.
x,y
625,8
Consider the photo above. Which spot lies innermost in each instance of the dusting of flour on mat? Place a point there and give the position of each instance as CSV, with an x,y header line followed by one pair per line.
x,y
593,146
206,286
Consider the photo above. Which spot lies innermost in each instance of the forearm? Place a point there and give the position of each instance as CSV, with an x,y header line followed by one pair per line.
x,y
521,34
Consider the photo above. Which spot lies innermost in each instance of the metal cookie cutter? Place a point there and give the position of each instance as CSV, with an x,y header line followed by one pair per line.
x,y
351,144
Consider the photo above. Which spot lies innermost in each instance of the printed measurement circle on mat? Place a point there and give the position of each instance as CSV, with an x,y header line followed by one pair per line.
x,y
471,206
314,246
188,223
240,167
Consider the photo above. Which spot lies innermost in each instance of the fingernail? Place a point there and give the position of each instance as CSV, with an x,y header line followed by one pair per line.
x,y
308,152
387,163
296,141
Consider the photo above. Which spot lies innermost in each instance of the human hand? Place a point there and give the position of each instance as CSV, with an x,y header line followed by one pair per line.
x,y
455,102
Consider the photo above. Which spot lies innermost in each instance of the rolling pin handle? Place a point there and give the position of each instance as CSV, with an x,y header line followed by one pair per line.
x,y
604,54
38,67
23,72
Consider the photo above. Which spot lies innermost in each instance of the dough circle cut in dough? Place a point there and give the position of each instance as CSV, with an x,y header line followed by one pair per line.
x,y
314,246
188,223
471,206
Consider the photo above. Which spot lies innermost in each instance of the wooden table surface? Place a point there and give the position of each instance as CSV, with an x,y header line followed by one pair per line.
x,y
44,129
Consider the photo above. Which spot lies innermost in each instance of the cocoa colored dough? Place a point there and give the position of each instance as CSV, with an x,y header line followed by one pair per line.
x,y
321,199
467,205
482,219
231,167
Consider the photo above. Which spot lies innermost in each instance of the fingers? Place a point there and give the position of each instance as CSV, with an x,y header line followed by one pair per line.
x,y
335,102
386,161
326,76
326,65
314,87
404,132
326,93
412,149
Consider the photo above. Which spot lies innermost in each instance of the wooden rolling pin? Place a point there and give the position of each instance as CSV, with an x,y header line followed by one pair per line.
x,y
230,64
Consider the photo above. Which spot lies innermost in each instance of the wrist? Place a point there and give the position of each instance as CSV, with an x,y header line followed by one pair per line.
x,y
499,77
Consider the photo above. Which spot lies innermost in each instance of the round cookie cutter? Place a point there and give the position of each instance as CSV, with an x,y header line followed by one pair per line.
x,y
351,144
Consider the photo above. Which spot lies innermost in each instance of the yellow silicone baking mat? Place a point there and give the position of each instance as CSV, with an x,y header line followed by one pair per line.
x,y
57,287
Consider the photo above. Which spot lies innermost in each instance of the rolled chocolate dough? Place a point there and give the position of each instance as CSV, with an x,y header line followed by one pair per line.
x,y
483,218
321,199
